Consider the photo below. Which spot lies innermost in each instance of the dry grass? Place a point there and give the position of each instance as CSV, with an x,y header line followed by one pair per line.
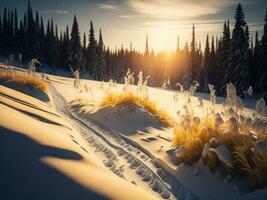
x,y
253,165
118,100
246,161
194,137
26,80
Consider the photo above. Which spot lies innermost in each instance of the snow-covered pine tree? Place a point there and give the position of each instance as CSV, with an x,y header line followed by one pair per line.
x,y
237,72
76,59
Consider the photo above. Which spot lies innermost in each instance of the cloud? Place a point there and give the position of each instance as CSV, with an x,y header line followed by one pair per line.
x,y
181,9
54,11
108,6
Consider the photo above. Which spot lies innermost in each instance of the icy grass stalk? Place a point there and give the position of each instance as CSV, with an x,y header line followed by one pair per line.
x,y
128,80
212,96
232,100
261,108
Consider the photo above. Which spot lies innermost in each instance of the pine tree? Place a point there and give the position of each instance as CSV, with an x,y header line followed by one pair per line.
x,y
1,35
212,71
206,65
16,34
76,57
194,64
64,49
255,64
91,52
263,52
84,43
5,37
32,45
239,53
146,48
42,41
222,59
101,64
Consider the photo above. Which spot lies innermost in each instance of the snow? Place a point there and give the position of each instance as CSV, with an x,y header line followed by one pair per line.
x,y
39,148
125,149
223,154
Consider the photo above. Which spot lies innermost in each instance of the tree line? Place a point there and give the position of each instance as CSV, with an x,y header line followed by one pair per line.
x,y
233,57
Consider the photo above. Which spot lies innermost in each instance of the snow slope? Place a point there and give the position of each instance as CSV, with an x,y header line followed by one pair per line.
x,y
128,144
44,157
154,140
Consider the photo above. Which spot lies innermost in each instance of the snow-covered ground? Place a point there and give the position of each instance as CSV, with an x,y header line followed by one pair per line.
x,y
127,147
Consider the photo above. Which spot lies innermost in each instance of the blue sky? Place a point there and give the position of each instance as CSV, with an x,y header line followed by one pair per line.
x,y
123,21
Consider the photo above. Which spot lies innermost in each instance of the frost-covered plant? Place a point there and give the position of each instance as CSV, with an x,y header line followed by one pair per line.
x,y
145,88
181,87
261,108
193,88
212,96
128,80
201,105
141,89
139,83
164,85
232,100
32,66
77,83
249,92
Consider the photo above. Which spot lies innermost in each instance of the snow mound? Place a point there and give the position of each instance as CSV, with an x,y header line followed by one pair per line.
x,y
128,119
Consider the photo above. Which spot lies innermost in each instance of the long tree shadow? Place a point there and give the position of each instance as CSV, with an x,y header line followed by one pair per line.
x,y
24,176
30,90
26,103
38,117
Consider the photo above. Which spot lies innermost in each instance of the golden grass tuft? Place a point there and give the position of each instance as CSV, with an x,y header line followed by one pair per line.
x,y
246,161
194,138
24,79
112,100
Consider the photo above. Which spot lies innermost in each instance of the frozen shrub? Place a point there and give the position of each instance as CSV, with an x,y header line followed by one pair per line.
x,y
212,96
261,108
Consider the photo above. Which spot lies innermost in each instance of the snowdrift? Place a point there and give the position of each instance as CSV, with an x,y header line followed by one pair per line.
x,y
43,157
128,118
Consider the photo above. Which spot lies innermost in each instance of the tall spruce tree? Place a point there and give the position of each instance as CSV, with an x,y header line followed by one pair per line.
x,y
239,53
76,57
222,59
101,64
263,52
255,64
212,70
92,52
193,55
206,63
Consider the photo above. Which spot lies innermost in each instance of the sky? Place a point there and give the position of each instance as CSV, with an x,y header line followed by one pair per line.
x,y
126,21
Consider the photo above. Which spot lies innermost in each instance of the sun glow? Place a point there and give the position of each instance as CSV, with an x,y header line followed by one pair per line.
x,y
162,36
